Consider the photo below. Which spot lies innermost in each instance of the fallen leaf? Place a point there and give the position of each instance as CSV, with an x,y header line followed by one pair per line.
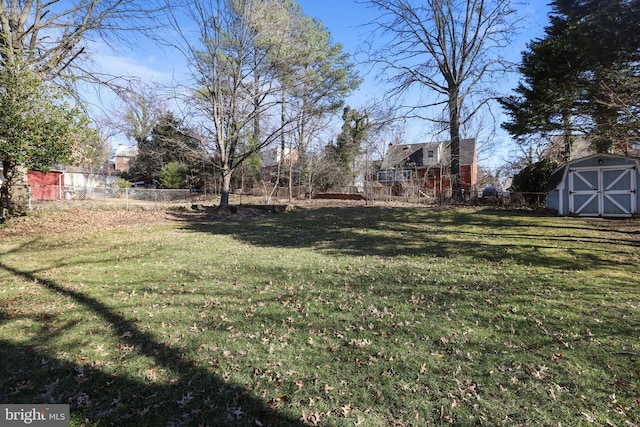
x,y
346,410
238,412
186,398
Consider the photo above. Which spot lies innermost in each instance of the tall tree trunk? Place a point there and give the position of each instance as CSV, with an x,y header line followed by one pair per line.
x,y
283,119
454,132
290,173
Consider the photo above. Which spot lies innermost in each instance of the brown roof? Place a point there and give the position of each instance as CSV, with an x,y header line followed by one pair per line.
x,y
412,155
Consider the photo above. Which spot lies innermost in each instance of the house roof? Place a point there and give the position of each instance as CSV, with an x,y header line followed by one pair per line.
x,y
411,155
126,151
581,148
399,155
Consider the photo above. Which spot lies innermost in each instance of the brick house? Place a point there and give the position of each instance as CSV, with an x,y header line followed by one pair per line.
x,y
123,157
425,167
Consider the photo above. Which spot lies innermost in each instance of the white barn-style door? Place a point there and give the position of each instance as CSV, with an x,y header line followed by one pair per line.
x,y
603,191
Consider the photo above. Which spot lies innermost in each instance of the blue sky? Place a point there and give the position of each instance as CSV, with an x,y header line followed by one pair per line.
x,y
345,19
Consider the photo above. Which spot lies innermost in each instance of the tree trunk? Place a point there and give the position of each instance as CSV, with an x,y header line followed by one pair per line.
x,y
8,172
454,131
568,138
226,187
291,173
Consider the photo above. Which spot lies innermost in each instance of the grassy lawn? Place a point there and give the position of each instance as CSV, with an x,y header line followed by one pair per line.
x,y
335,316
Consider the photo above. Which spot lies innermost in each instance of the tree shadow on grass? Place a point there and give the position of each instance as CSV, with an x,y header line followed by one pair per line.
x,y
194,396
389,232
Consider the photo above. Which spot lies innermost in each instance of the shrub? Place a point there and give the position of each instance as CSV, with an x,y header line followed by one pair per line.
x,y
173,175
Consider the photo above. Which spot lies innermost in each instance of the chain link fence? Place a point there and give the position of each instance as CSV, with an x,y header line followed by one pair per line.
x,y
44,196
40,196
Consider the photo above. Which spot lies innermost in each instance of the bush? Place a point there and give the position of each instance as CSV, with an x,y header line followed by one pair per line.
x,y
122,183
118,187
532,180
173,175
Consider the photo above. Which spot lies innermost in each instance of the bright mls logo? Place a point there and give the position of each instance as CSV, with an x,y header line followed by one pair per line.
x,y
36,415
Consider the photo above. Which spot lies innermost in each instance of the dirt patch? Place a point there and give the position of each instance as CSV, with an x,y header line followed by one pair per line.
x,y
232,212
339,196
88,220
50,222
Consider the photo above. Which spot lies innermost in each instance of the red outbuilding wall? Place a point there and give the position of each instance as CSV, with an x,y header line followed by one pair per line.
x,y
46,186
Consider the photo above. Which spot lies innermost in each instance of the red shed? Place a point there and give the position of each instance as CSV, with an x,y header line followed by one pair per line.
x,y
46,186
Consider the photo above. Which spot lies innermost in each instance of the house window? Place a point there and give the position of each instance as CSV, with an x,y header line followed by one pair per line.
x,y
403,176
430,154
385,176
394,176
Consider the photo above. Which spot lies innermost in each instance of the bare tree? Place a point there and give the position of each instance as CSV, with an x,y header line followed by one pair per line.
x,y
52,36
450,48
92,150
245,79
235,91
138,112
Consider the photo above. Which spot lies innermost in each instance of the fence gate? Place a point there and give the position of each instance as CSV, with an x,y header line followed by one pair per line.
x,y
603,191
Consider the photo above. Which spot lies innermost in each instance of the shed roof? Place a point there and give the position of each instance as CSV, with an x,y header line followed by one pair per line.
x,y
557,176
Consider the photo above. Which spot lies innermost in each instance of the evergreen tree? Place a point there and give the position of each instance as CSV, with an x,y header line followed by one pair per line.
x,y
349,142
348,146
533,179
168,142
582,77
173,175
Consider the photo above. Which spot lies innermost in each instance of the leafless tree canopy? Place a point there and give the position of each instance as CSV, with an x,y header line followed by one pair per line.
x,y
51,36
450,47
447,48
260,70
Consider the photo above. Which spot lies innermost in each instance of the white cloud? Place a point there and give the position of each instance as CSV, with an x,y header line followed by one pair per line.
x,y
147,64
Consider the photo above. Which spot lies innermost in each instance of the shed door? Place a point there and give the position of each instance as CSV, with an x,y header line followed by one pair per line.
x,y
609,191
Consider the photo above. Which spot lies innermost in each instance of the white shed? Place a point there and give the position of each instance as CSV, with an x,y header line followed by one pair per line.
x,y
601,185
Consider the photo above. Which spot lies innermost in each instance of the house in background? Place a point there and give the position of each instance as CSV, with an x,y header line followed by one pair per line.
x,y
272,157
123,157
82,182
581,148
425,167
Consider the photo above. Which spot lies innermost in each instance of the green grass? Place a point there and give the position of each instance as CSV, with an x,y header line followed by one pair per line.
x,y
329,316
